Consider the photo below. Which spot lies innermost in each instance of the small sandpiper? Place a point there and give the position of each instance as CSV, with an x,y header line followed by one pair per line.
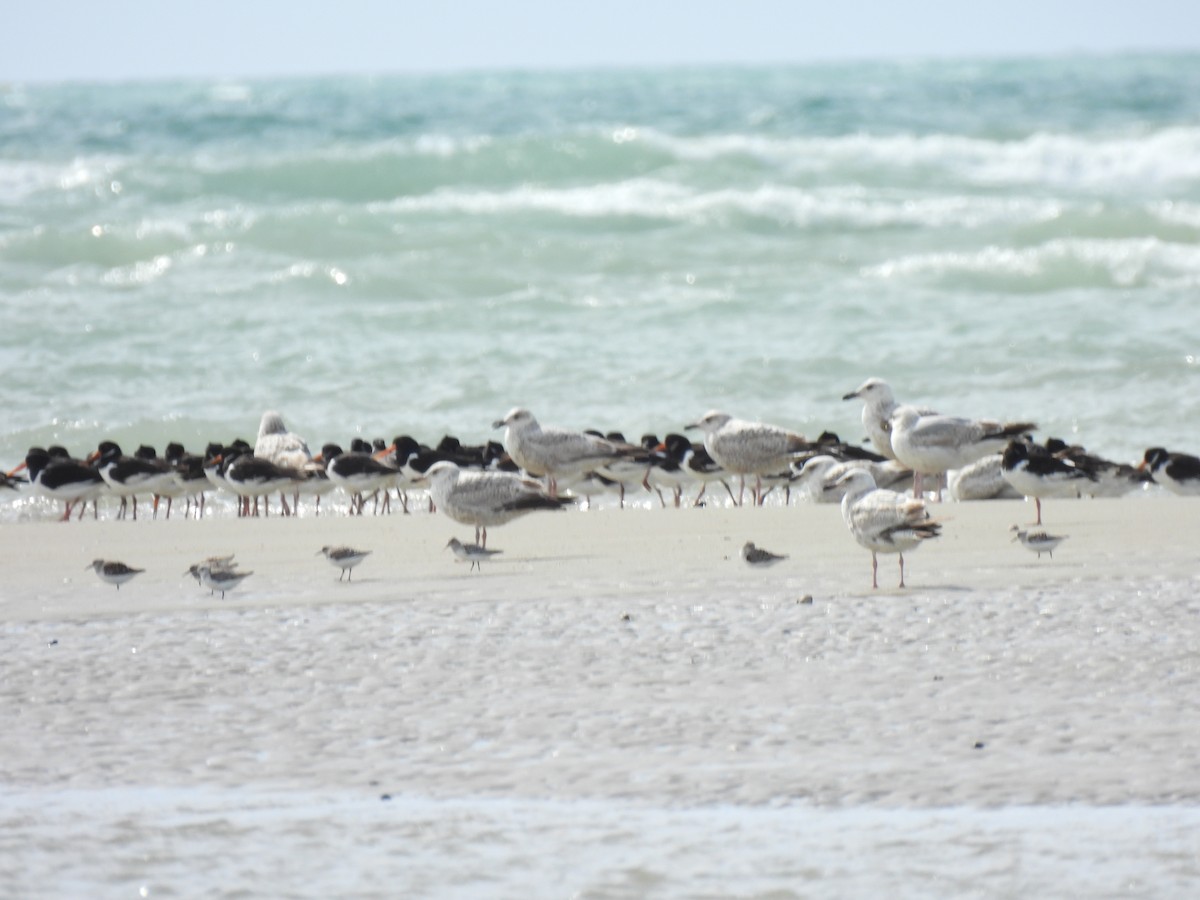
x,y
113,572
220,579
759,558
473,553
1038,541
345,558
214,564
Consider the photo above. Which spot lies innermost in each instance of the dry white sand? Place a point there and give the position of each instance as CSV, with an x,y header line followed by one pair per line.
x,y
616,658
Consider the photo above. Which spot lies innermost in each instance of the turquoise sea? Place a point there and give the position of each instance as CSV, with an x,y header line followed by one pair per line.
x,y
613,249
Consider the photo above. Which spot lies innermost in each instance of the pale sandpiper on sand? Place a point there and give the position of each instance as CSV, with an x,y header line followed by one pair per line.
x,y
1038,541
220,579
472,553
345,558
112,571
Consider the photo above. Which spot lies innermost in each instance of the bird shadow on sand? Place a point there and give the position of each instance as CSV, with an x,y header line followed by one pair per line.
x,y
544,559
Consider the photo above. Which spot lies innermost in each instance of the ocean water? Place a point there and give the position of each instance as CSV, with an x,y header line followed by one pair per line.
x,y
613,249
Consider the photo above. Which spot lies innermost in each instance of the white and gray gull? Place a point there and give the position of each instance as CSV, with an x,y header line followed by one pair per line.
x,y
552,452
884,521
750,448
933,445
878,405
486,498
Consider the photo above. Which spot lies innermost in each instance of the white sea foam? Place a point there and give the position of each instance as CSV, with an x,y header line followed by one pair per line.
x,y
651,198
1126,262
1161,157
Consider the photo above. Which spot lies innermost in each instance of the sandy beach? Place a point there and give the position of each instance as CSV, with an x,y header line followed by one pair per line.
x,y
606,660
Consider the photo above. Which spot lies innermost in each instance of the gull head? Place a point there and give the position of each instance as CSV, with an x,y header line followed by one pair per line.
x,y
518,416
874,391
815,467
441,473
272,423
856,480
904,417
710,422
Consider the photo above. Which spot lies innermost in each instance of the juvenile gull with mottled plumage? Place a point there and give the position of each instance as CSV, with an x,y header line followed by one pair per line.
x,y
749,448
486,498
553,452
884,521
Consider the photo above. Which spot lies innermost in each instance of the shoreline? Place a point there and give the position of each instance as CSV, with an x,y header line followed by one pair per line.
x,y
608,552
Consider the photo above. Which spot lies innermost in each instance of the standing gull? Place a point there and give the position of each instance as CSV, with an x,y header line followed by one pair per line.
x,y
884,521
749,448
552,452
878,405
932,445
485,498
283,448
820,474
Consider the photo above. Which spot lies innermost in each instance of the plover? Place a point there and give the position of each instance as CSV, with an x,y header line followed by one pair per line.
x,y
882,520
345,558
758,558
472,553
113,572
1038,541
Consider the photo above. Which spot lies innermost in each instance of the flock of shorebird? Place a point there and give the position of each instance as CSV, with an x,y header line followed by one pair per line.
x,y
539,467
